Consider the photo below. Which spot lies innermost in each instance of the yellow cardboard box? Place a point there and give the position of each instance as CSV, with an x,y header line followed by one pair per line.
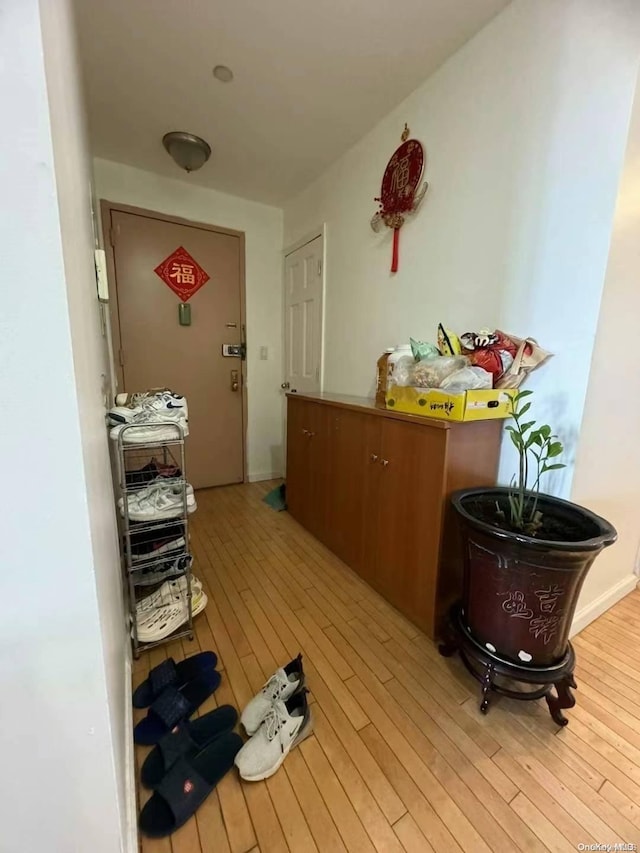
x,y
468,406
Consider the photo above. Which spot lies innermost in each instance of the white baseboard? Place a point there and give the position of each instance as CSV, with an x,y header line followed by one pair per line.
x,y
596,608
264,475
130,842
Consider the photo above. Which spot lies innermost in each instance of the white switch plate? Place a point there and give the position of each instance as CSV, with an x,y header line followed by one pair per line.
x,y
264,353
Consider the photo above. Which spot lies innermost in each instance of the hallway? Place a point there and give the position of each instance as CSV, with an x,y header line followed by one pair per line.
x,y
400,753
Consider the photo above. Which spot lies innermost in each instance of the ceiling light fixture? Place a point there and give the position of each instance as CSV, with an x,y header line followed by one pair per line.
x,y
190,152
223,73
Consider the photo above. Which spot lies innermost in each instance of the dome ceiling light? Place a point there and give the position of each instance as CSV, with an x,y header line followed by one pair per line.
x,y
190,152
223,73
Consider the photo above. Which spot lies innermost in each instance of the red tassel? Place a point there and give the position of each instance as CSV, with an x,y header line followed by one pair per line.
x,y
394,258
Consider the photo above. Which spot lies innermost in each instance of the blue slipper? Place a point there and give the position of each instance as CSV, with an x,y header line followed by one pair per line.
x,y
187,785
184,741
173,705
171,673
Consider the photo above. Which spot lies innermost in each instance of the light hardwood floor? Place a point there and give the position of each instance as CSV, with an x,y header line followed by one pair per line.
x,y
401,758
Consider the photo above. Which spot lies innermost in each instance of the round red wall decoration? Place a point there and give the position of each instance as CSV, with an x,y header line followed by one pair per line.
x,y
399,193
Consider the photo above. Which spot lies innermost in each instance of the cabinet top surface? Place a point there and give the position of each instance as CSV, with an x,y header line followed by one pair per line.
x,y
368,404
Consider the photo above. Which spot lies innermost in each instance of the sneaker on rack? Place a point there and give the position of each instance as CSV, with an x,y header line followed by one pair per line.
x,y
161,571
160,483
172,590
159,401
153,543
285,725
153,425
149,472
282,685
135,398
163,502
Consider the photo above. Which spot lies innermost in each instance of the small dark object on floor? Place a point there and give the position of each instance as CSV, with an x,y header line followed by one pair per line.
x,y
277,498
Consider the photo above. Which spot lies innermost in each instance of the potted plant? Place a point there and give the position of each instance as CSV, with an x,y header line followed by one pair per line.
x,y
526,554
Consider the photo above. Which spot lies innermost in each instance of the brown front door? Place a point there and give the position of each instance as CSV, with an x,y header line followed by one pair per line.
x,y
156,351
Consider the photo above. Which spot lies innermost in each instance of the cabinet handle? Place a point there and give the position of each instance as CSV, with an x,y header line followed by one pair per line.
x,y
305,432
384,462
311,434
374,457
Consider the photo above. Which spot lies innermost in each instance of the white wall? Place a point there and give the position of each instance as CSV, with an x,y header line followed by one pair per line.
x,y
607,476
525,130
61,657
263,245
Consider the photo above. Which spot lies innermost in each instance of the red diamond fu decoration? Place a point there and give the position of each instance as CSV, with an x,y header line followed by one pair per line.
x,y
182,274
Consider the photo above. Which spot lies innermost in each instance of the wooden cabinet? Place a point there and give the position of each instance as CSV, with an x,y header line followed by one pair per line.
x,y
373,486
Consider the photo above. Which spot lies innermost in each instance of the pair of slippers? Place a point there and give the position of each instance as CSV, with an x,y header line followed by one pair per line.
x,y
190,756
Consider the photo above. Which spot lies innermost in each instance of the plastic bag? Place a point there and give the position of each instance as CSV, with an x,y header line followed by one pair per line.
x,y
448,341
402,371
423,349
493,351
528,356
431,372
467,379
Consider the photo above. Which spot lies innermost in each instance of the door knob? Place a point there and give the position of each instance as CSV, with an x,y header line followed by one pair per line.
x,y
285,386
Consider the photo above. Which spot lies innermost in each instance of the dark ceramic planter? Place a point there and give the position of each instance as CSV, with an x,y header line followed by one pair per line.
x,y
520,593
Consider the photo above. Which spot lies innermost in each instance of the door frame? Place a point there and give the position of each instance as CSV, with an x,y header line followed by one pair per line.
x,y
320,231
106,208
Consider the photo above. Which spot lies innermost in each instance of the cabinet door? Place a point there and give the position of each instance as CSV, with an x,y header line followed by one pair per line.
x,y
372,508
348,468
297,459
317,486
410,498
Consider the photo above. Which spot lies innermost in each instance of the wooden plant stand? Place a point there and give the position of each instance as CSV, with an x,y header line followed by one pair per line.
x,y
486,666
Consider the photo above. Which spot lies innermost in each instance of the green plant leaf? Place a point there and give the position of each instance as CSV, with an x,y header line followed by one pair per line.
x,y
545,431
555,449
522,394
536,438
516,438
524,409
555,467
527,426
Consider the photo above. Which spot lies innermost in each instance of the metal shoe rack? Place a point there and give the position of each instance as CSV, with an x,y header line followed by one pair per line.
x,y
144,574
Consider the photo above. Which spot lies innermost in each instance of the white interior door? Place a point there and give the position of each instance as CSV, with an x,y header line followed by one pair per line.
x,y
303,317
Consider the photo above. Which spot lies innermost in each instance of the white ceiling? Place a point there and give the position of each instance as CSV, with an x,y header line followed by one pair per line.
x,y
311,78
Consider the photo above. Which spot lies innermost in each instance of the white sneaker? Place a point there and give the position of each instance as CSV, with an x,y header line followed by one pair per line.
x,y
157,401
282,685
134,399
150,576
160,483
164,502
286,725
151,426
